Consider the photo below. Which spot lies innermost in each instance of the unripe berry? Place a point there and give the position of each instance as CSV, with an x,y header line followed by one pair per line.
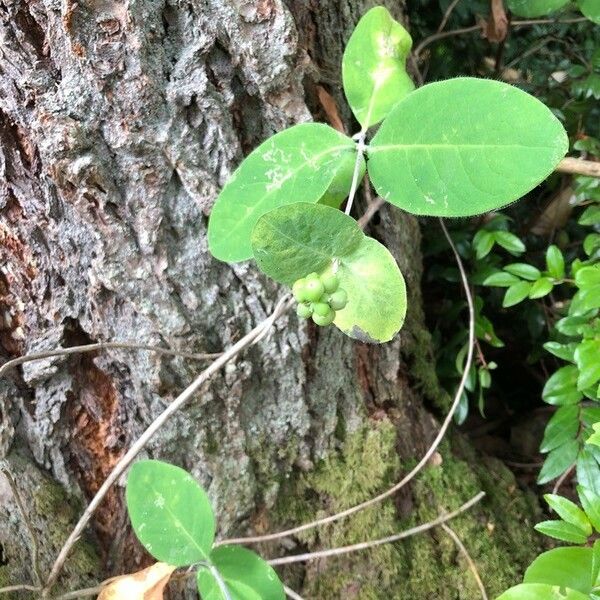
x,y
304,311
299,290
314,289
330,283
324,320
338,300
320,308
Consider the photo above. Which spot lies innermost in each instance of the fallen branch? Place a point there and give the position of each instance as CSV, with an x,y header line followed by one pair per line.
x,y
578,166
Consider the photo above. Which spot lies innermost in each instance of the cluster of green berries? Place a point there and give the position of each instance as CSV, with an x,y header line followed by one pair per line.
x,y
319,297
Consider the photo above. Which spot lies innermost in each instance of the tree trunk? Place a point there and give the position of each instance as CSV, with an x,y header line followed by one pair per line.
x,y
119,121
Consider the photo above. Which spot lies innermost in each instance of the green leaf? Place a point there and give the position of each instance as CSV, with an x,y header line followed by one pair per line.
x,y
245,574
561,428
588,471
569,511
558,461
516,293
501,279
590,501
170,513
463,147
535,8
594,437
590,216
292,241
571,326
588,276
585,300
376,294
555,262
595,564
540,288
483,242
591,9
587,358
298,164
374,66
562,531
564,351
561,388
509,241
569,567
339,188
524,271
541,591
591,243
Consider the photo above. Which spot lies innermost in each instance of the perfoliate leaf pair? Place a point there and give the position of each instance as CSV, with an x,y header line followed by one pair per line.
x,y
173,519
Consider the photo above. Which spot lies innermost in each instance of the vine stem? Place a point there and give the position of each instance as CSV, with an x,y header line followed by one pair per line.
x,y
286,560
360,150
463,550
426,457
291,593
15,362
249,339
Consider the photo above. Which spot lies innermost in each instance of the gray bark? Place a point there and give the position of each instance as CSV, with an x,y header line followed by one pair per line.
x,y
119,122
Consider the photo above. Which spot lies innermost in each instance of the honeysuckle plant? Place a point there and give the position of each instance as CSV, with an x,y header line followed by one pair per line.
x,y
453,148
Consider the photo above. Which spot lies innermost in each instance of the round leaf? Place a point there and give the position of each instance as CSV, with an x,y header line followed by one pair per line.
x,y
292,241
170,513
298,164
245,574
374,66
541,591
376,294
568,567
463,147
591,9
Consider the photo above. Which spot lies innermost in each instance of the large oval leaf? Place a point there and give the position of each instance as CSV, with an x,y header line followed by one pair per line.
x,y
298,164
464,146
535,8
374,66
292,241
568,567
245,574
541,591
170,513
591,9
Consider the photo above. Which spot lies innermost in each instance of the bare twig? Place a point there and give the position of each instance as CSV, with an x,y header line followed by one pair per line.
x,y
15,362
578,166
282,306
426,457
372,209
548,22
463,550
285,560
37,573
19,588
291,593
562,479
447,14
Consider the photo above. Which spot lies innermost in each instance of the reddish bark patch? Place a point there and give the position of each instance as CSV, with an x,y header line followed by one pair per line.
x,y
96,443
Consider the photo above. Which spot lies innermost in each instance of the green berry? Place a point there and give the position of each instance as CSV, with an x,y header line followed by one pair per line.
x,y
338,300
304,311
320,308
314,289
324,320
330,283
299,290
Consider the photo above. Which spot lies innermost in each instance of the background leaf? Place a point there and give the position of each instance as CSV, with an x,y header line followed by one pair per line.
x,y
535,8
374,66
562,427
246,575
540,591
170,513
591,9
295,165
558,461
463,147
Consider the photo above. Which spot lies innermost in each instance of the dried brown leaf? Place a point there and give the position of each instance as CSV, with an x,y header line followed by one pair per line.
x,y
148,584
497,26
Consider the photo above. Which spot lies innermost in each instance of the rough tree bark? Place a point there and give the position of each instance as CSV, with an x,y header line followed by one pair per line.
x,y
119,120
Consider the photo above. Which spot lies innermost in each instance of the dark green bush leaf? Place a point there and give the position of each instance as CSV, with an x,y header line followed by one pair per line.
x,y
561,428
569,511
555,262
561,388
558,461
564,351
442,153
501,279
516,293
562,531
590,501
535,8
587,358
540,288
524,271
509,241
